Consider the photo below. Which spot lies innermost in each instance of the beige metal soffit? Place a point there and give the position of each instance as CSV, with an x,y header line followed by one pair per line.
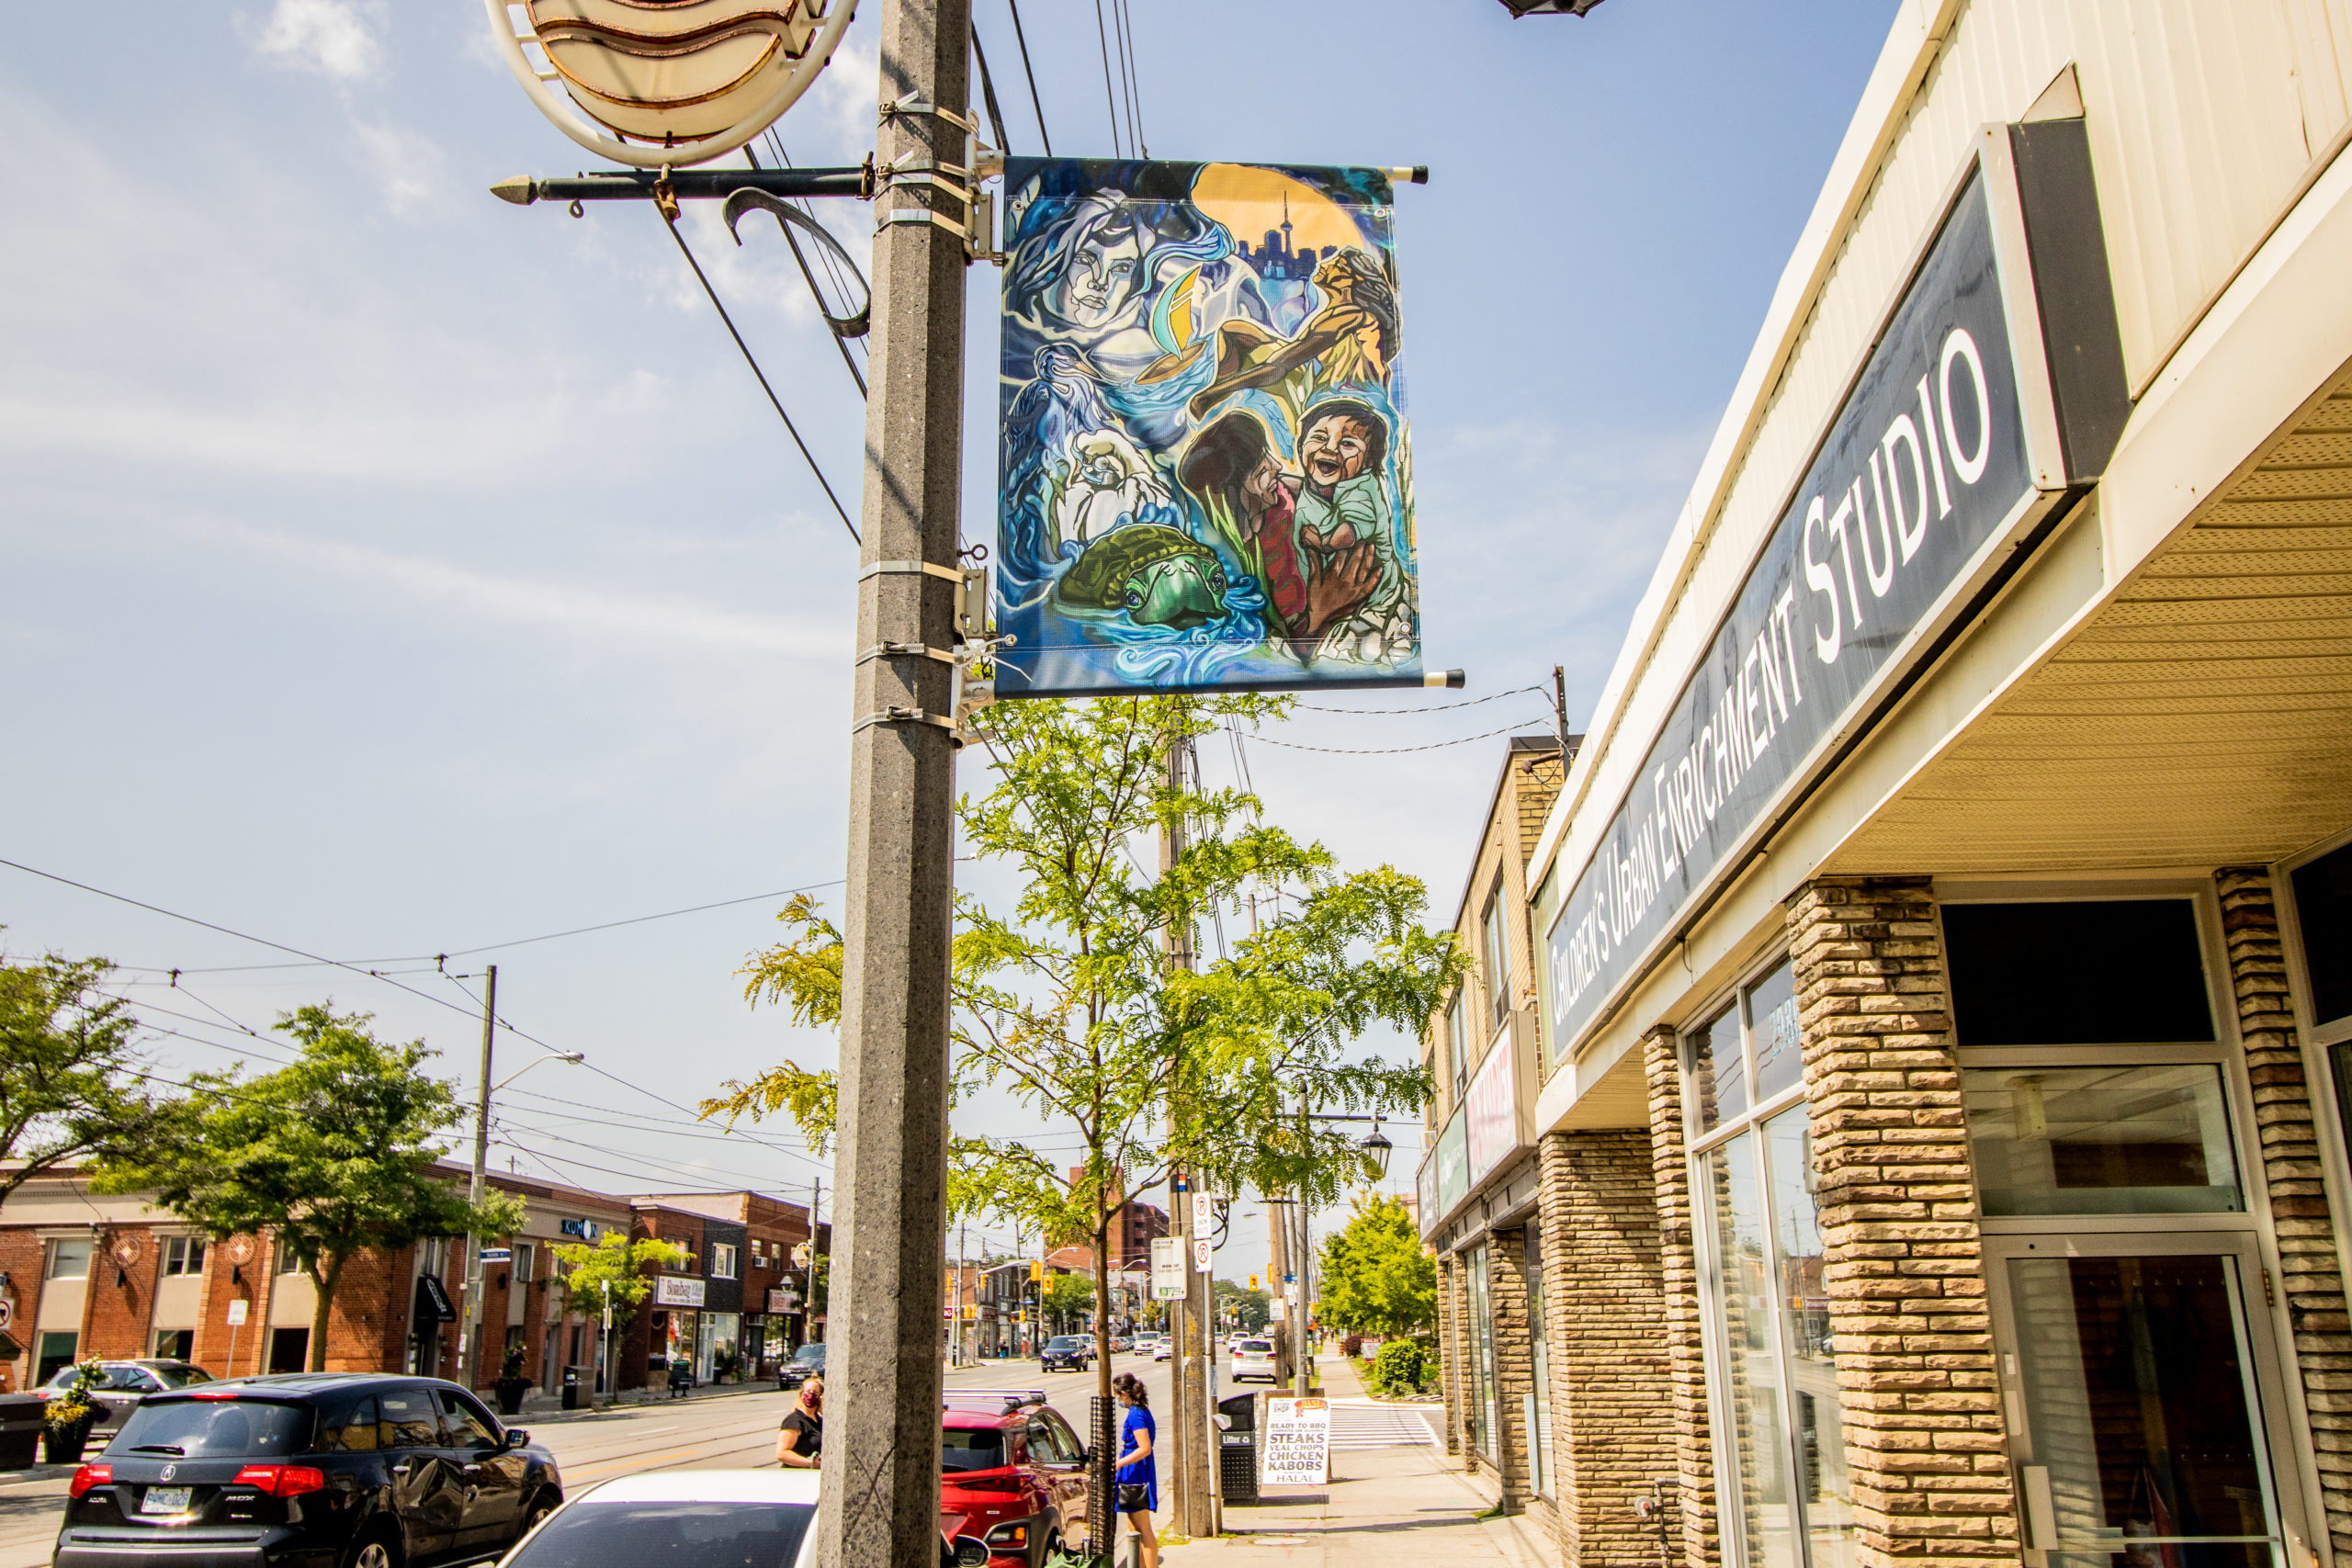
x,y
1910,50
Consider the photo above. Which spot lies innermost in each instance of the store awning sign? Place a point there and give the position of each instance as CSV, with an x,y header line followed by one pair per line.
x,y
669,1291
1961,434
1205,478
1491,1109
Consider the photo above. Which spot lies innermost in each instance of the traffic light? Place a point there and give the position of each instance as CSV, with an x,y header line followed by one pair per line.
x,y
1037,1271
1253,1282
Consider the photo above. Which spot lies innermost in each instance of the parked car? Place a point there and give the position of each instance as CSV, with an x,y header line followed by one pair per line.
x,y
807,1360
1069,1352
305,1469
1016,1472
699,1519
127,1384
1254,1358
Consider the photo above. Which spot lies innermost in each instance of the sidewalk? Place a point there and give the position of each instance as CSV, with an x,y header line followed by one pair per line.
x,y
1405,1505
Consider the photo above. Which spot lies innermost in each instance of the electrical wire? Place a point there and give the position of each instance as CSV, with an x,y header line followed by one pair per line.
x,y
1386,750
777,403
1022,39
987,94
1125,18
1110,98
1438,707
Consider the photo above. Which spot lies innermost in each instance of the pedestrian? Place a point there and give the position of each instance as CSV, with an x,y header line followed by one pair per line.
x,y
1138,1475
801,1440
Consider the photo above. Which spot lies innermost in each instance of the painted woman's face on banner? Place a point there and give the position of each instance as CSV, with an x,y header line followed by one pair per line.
x,y
1101,276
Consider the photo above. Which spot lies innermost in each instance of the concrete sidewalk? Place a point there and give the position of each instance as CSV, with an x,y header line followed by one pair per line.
x,y
1403,1505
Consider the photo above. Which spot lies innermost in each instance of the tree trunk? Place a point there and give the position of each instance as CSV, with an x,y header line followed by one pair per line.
x,y
323,1288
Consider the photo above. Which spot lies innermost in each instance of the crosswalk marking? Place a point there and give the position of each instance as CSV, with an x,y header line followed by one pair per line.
x,y
1369,1423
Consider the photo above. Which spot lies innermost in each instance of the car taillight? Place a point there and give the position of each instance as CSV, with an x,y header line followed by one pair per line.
x,y
282,1480
90,1475
1002,1481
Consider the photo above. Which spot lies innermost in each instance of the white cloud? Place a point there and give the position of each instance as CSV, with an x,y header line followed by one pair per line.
x,y
409,166
609,618
331,37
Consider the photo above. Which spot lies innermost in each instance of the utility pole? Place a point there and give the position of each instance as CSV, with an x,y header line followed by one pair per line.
x,y
879,1503
1188,1420
1278,1233
469,1347
809,1295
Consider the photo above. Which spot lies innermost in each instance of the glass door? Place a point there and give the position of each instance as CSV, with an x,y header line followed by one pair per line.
x,y
2136,1371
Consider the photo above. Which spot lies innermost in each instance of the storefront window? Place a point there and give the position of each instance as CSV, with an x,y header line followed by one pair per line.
x,y
2324,920
1784,1492
2101,1140
1540,1467
1482,1356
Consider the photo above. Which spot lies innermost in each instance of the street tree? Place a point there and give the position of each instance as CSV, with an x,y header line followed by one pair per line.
x,y
1376,1277
332,1153
1068,1297
611,1271
1066,997
72,1082
1244,1306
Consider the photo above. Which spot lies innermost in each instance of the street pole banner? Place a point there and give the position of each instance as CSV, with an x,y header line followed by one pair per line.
x,y
1205,480
1297,1447
1167,1269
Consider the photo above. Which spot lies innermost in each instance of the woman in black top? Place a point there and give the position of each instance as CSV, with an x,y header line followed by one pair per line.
x,y
801,1440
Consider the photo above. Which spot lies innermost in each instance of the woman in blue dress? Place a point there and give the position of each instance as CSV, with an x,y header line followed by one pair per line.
x,y
1138,1475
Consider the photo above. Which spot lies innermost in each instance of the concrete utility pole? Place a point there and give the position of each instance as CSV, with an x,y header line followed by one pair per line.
x,y
879,1506
1190,1418
469,1347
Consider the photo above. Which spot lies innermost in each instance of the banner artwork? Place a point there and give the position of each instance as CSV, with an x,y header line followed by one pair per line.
x,y
1205,477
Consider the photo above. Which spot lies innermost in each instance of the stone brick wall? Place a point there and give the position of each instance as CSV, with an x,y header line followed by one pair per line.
x,y
2311,1273
122,1293
1686,1360
1454,1353
1904,1254
1514,1365
1613,1431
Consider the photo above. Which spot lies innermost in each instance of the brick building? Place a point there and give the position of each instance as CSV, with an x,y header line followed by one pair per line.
x,y
1942,942
87,1275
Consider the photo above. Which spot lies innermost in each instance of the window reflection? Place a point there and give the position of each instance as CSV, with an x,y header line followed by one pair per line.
x,y
1772,1021
1823,1485
1717,1072
2121,1140
1743,1277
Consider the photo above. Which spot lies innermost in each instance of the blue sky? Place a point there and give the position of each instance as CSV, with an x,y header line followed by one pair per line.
x,y
391,570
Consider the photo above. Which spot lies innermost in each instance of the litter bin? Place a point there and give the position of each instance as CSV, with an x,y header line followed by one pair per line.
x,y
19,1429
1237,1449
571,1388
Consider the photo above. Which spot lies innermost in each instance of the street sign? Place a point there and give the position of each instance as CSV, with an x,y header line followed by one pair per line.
x,y
1203,1256
497,1254
8,1312
1296,1449
1166,1270
237,1312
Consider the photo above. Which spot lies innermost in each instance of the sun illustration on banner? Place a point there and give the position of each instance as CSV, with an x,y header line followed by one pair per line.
x,y
1208,481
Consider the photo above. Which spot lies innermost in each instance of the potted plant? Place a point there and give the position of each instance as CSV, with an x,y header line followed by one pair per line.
x,y
512,1384
67,1419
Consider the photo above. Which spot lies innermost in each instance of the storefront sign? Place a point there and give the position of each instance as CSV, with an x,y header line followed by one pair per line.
x,y
782,1300
672,1291
586,1230
1452,1166
1492,1111
1203,418
1950,442
1295,1448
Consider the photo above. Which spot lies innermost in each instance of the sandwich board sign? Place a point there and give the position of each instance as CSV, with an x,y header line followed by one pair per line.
x,y
1297,1447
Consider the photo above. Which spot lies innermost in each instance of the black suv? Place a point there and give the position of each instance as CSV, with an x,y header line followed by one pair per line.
x,y
1065,1350
807,1361
309,1469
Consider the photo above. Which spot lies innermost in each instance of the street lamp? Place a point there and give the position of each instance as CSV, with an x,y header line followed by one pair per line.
x,y
1378,1149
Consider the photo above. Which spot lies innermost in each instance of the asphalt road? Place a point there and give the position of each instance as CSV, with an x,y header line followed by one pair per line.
x,y
719,1431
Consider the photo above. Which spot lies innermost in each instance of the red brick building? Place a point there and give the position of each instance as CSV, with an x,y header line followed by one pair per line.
x,y
85,1275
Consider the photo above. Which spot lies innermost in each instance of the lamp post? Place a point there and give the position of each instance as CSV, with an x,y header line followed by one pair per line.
x,y
1377,1150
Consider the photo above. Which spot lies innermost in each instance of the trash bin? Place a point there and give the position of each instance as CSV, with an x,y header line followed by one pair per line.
x,y
1237,1449
571,1388
19,1429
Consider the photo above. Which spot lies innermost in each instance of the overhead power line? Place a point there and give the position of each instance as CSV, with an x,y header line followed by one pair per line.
x,y
1027,69
1386,750
1435,707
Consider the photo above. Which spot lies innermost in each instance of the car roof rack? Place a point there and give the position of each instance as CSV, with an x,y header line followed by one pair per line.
x,y
1011,1399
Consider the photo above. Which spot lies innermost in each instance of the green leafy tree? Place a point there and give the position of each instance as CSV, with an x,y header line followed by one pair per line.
x,y
1067,999
612,1267
1068,1297
1245,1305
70,1080
1376,1277
333,1154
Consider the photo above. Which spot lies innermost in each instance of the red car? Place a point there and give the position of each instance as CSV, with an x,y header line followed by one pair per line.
x,y
1015,1471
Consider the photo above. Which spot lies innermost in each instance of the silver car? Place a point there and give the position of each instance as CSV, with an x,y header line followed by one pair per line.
x,y
127,1382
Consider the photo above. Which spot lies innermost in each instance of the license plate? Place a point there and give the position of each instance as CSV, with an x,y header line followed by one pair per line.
x,y
166,1500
